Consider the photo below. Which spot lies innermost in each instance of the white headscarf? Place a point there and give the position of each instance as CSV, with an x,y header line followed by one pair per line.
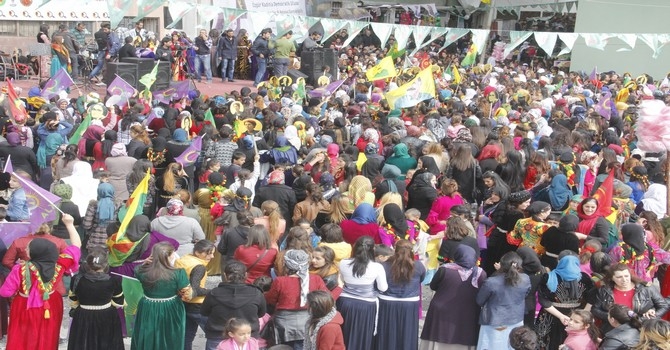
x,y
655,199
84,186
291,134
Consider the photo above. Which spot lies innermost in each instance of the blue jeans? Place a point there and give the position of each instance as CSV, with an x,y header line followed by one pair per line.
x,y
193,320
227,68
262,66
211,343
98,67
205,61
281,66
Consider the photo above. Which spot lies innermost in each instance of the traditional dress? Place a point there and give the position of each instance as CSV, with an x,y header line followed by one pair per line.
x,y
96,324
37,309
161,318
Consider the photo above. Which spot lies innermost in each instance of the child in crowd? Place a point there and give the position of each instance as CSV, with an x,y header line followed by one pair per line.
x,y
382,253
239,336
307,226
523,338
553,219
209,166
588,249
582,332
17,209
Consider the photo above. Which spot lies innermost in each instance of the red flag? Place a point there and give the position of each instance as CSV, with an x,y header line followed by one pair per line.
x,y
604,195
15,104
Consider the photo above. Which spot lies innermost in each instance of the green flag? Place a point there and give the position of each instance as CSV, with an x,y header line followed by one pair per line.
x,y
80,130
132,293
149,79
209,117
470,57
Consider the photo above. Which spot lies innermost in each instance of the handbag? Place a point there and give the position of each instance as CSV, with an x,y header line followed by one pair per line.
x,y
485,315
269,333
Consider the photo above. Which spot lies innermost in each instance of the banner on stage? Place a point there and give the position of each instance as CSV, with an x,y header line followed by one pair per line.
x,y
292,7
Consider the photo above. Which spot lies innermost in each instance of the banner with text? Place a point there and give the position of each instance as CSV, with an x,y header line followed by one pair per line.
x,y
292,7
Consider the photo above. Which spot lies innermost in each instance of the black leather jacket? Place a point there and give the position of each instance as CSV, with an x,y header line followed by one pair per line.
x,y
644,299
621,338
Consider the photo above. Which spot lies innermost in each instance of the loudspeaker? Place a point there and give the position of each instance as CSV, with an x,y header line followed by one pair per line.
x,y
144,65
294,74
313,61
127,72
163,77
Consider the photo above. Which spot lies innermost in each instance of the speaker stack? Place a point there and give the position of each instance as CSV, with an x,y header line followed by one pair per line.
x,y
313,61
127,72
135,68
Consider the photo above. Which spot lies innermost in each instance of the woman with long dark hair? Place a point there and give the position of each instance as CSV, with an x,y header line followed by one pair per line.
x,y
512,170
363,279
398,325
502,299
160,321
324,327
257,254
626,329
504,217
465,170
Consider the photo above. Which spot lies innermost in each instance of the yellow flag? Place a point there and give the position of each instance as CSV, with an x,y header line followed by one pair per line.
x,y
421,88
384,69
456,75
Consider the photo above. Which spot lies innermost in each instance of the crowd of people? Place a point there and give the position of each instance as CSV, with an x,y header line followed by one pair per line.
x,y
514,194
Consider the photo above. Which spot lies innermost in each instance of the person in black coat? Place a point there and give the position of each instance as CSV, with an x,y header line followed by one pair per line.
x,y
557,239
232,298
227,50
22,157
277,191
626,332
235,236
421,193
128,49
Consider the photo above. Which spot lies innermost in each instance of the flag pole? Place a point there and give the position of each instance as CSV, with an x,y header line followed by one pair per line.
x,y
27,183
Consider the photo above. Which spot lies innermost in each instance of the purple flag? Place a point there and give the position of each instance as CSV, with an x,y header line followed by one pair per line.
x,y
326,90
190,155
41,205
118,86
181,89
604,107
57,83
165,96
594,74
8,165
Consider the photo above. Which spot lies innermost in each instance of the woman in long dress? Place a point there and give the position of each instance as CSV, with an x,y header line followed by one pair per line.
x,y
37,309
96,324
161,318
242,67
398,323
452,321
363,279
204,198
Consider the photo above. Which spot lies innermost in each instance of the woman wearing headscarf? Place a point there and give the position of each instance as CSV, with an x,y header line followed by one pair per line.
x,y
278,192
291,134
428,164
90,146
327,184
592,223
392,225
534,270
143,239
45,152
84,186
183,229
502,300
421,192
654,200
99,214
64,191
363,222
390,182
488,157
397,326
119,165
642,258
372,169
37,309
289,296
22,157
175,147
402,159
360,191
363,279
574,286
282,153
452,317
557,239
557,193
